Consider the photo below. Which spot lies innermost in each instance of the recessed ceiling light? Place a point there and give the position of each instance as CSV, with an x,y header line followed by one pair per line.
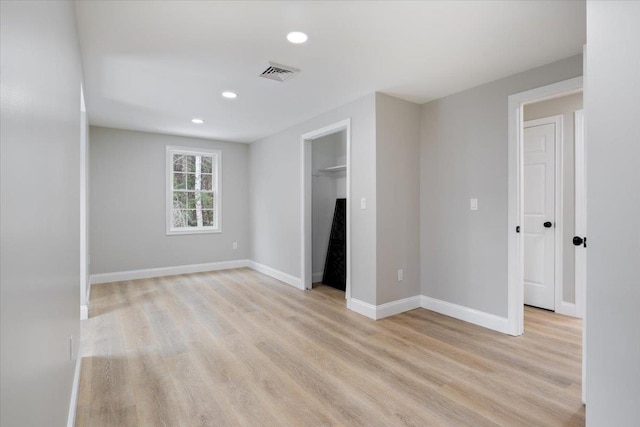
x,y
197,121
297,37
230,95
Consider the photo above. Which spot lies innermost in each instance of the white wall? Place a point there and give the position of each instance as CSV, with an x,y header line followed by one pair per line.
x,y
463,154
40,209
276,183
565,106
612,91
327,151
398,198
127,204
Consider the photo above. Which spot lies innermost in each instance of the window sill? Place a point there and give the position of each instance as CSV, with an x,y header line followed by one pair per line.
x,y
198,231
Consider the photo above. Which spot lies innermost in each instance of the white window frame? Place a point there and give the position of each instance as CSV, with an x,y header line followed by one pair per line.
x,y
216,187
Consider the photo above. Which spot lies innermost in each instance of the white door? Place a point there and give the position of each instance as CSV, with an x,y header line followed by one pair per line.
x,y
539,211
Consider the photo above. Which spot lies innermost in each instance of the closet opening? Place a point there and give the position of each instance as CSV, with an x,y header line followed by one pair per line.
x,y
325,208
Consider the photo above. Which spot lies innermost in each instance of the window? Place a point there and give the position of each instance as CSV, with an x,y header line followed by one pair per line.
x,y
193,190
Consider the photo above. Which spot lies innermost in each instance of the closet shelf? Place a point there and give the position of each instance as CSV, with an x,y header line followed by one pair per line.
x,y
334,168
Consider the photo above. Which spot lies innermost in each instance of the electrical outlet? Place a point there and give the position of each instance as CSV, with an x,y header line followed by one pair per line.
x,y
400,275
235,245
473,204
363,203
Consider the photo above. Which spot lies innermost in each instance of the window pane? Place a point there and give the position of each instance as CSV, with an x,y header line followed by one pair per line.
x,y
207,200
191,200
179,200
191,181
179,181
206,182
178,163
192,219
191,163
206,164
179,218
207,218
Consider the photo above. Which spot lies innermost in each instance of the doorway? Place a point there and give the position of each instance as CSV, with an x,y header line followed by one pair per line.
x,y
556,235
328,210
340,131
551,139
516,209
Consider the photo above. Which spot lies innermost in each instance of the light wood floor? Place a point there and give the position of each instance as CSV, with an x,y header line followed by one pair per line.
x,y
236,347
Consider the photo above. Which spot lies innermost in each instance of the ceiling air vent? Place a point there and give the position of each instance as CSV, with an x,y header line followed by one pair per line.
x,y
279,72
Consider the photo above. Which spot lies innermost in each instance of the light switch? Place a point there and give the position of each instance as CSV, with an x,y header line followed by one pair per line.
x,y
363,203
474,204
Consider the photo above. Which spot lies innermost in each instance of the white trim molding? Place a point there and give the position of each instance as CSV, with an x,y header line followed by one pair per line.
x,y
580,254
477,317
361,307
276,274
568,309
149,273
377,312
84,312
399,306
73,401
317,277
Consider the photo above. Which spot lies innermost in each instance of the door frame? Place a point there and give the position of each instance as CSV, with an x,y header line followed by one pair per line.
x,y
305,208
515,259
558,122
581,230
581,209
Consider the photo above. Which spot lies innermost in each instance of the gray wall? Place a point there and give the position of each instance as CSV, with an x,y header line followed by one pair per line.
x,y
398,198
565,106
613,208
127,204
275,182
326,188
463,154
40,209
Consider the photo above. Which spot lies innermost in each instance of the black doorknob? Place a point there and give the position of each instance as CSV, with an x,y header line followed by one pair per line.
x,y
547,224
577,240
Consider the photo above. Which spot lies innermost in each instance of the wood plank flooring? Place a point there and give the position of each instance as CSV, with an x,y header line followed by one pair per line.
x,y
236,347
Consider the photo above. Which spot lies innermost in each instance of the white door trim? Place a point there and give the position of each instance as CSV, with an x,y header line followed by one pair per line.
x,y
581,230
305,208
558,122
84,248
581,210
516,104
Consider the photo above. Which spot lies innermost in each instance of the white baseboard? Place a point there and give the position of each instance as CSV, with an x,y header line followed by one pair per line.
x,y
377,312
166,271
71,418
568,309
276,274
396,307
361,307
84,312
316,277
480,318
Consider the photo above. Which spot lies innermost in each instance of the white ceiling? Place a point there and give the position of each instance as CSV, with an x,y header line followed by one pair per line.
x,y
154,65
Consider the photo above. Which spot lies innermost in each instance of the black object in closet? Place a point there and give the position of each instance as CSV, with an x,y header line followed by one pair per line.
x,y
335,266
